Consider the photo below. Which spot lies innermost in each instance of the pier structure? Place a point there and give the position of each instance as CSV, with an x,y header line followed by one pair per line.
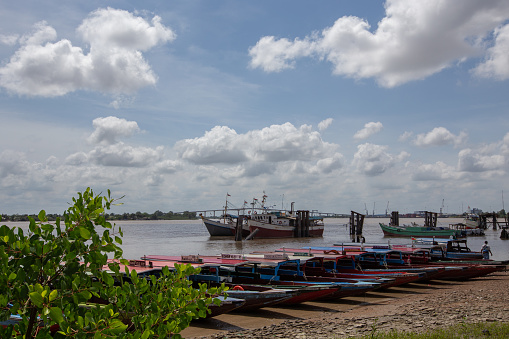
x,y
302,227
356,224
430,219
394,218
485,222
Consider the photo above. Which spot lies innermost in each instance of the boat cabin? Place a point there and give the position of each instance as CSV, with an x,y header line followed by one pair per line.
x,y
275,218
376,258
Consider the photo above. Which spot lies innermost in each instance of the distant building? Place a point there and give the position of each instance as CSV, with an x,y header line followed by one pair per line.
x,y
476,211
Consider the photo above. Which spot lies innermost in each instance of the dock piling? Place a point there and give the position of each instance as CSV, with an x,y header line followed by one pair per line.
x,y
356,224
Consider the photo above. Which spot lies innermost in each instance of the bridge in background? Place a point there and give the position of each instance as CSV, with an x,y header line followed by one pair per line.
x,y
247,211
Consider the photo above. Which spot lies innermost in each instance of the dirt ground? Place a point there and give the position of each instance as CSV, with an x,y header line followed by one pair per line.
x,y
413,307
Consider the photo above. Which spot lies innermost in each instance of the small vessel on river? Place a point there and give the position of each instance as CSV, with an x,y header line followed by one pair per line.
x,y
419,231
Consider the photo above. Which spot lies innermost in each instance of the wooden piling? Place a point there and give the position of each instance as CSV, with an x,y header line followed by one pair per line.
x,y
302,224
356,224
430,219
394,218
238,228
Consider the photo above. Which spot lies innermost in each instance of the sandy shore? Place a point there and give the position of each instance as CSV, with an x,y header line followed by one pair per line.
x,y
414,307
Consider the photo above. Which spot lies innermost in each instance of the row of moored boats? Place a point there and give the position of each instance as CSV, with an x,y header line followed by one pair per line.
x,y
289,276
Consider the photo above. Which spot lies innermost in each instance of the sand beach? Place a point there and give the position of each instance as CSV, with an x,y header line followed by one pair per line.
x,y
413,307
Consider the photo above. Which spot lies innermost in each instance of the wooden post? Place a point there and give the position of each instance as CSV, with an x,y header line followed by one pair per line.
x,y
308,222
494,220
483,223
356,223
297,233
430,219
352,223
238,228
394,218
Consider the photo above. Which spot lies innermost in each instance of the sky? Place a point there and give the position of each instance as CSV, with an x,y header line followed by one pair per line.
x,y
175,105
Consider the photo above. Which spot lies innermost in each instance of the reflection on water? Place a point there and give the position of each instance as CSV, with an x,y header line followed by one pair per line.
x,y
191,237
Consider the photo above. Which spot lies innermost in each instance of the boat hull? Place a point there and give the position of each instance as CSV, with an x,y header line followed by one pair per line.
x,y
411,231
219,229
267,231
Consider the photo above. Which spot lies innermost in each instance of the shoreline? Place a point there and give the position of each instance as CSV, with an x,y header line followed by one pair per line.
x,y
413,307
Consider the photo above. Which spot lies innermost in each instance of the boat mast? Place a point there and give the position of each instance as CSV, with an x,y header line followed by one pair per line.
x,y
264,198
225,207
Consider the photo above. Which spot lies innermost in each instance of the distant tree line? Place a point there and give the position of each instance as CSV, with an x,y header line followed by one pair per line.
x,y
157,215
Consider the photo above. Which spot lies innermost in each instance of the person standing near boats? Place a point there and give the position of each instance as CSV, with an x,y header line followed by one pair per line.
x,y
486,250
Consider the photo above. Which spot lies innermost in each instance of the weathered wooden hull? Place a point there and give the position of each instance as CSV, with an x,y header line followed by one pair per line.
x,y
267,231
219,229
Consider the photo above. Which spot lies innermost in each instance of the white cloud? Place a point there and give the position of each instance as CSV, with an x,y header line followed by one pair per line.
x,y
276,55
119,155
278,148
117,29
373,160
123,155
413,41
369,129
324,124
327,165
496,64
405,136
12,162
108,129
438,171
505,144
286,142
219,145
276,157
9,40
471,161
439,136
114,63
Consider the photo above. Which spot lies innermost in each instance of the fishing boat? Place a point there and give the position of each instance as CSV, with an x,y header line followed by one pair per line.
x,y
246,275
471,221
256,297
282,225
447,249
226,225
419,231
225,228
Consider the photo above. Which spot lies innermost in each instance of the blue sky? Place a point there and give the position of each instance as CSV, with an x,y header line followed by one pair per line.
x,y
335,105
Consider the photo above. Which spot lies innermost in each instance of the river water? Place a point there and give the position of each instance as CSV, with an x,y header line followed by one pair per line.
x,y
188,237
191,237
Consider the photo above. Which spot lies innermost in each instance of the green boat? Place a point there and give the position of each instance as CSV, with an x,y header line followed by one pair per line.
x,y
419,231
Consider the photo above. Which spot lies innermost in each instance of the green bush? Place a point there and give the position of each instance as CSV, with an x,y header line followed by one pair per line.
x,y
53,278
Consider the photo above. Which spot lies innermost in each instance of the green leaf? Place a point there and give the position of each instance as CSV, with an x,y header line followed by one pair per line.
x,y
36,299
108,279
80,321
117,327
55,313
134,276
85,234
146,334
53,295
86,295
47,227
42,215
